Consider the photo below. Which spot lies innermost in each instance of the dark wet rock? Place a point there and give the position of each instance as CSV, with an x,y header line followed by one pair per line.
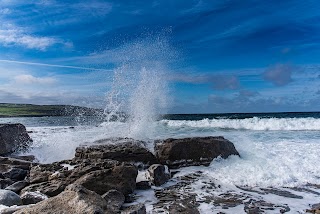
x,y
114,199
75,199
135,209
130,198
143,185
282,193
13,137
126,150
98,175
17,186
32,197
178,198
6,163
4,183
16,174
303,189
193,151
158,174
9,198
30,158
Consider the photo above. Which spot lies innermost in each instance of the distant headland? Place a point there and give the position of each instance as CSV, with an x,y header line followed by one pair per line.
x,y
30,110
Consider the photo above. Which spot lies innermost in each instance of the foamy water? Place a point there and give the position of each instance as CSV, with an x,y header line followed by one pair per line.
x,y
271,156
255,123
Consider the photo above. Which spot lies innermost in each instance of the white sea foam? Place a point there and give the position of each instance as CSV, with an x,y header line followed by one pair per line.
x,y
279,158
255,123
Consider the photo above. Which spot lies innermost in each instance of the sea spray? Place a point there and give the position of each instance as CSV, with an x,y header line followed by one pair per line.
x,y
139,91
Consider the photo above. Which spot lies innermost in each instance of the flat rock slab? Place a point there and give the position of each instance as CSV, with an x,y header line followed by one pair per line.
x,y
120,149
99,176
193,151
76,199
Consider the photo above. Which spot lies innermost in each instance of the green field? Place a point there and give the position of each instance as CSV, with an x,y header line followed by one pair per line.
x,y
29,110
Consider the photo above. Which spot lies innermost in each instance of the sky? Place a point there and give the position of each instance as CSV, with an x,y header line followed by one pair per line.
x,y
221,56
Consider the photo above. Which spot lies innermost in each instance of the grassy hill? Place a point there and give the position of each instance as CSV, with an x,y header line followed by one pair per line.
x,y
29,110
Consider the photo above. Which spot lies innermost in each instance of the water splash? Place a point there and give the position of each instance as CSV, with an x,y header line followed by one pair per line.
x,y
139,91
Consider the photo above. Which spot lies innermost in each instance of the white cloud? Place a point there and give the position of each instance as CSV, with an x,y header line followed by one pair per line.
x,y
29,79
17,37
12,35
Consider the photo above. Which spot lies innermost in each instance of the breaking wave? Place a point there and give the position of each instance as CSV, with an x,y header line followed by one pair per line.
x,y
255,123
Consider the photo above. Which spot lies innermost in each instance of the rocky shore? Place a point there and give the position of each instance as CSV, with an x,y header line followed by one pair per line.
x,y
104,177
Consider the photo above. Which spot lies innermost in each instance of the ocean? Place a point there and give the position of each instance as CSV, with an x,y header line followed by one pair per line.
x,y
278,151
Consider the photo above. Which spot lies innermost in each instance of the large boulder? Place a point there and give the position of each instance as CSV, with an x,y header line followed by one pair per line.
x,y
193,151
120,149
9,198
75,199
13,137
99,176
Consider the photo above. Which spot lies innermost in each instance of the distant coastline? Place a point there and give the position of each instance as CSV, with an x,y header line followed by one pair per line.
x,y
30,110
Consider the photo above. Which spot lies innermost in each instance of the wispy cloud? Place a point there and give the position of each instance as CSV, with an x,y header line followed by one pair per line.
x,y
12,35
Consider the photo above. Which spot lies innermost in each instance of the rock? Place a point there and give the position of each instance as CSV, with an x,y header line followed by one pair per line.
x,y
32,197
126,150
4,183
193,151
114,198
30,158
51,188
16,174
18,186
75,199
97,175
130,198
143,185
11,210
135,209
9,198
121,178
41,172
6,163
158,174
13,137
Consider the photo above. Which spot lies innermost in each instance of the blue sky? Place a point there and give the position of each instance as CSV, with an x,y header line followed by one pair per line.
x,y
221,56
